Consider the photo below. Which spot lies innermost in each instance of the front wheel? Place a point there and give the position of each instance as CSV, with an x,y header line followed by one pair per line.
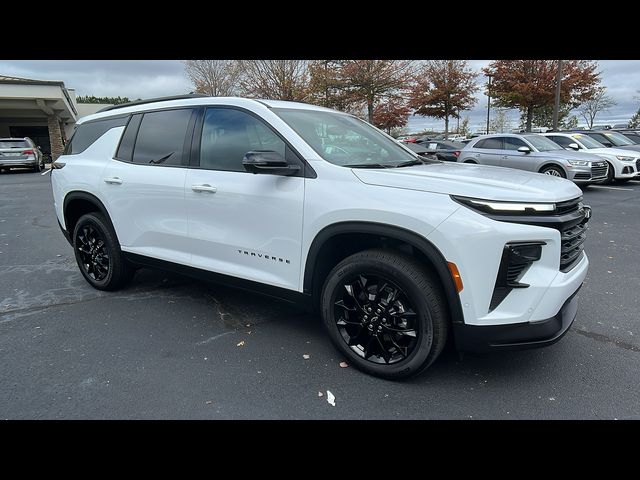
x,y
98,253
385,313
554,172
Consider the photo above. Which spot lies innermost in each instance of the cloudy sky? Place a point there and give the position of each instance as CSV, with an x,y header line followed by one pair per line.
x,y
155,78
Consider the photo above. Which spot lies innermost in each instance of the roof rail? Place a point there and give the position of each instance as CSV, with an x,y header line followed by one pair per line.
x,y
152,100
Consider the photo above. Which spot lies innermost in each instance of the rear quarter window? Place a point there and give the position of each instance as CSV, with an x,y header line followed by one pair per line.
x,y
87,133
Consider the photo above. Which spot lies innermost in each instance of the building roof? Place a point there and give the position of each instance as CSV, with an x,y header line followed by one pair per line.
x,y
29,81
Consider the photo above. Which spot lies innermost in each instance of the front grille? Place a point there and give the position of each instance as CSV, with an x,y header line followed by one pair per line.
x,y
568,206
582,176
598,171
572,240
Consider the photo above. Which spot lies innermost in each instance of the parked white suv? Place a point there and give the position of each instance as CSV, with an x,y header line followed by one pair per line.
x,y
623,164
309,204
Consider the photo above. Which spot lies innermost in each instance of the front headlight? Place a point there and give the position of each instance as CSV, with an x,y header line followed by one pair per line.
x,y
504,208
579,163
625,159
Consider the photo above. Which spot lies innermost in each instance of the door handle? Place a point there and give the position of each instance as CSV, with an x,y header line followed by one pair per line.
x,y
204,188
113,180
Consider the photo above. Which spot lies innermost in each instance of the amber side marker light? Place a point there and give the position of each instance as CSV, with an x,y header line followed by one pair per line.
x,y
457,279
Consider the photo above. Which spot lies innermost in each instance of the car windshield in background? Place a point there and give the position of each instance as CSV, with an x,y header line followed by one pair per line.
x,y
587,141
345,140
13,144
542,144
617,139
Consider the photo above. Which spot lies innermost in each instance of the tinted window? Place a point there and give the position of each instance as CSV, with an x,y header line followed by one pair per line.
x,y
634,137
87,133
513,143
562,141
125,149
494,143
14,144
600,138
228,134
587,141
161,138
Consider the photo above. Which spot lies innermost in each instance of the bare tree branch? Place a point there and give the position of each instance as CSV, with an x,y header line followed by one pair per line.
x,y
600,102
218,78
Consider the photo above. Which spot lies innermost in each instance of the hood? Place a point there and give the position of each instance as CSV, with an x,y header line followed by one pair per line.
x,y
477,181
573,155
614,152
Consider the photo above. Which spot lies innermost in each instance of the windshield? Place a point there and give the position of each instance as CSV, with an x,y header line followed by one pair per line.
x,y
587,141
542,144
617,139
13,144
345,140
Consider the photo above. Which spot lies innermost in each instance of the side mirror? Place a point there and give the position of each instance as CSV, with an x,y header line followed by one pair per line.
x,y
574,146
267,161
524,150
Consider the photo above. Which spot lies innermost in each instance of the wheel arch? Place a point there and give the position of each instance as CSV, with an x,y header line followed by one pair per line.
x,y
77,203
553,164
369,235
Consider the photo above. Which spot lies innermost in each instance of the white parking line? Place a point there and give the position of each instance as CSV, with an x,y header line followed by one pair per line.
x,y
612,188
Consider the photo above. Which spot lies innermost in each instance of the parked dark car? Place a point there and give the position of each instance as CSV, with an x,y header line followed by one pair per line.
x,y
420,149
609,138
444,149
632,135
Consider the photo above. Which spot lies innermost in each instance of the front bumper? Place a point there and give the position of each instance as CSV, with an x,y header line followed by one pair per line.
x,y
516,336
585,175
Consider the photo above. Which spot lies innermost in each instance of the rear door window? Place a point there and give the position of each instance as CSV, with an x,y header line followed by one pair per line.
x,y
162,138
490,143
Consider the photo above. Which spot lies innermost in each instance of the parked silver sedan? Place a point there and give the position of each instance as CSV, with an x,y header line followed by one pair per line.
x,y
20,152
534,153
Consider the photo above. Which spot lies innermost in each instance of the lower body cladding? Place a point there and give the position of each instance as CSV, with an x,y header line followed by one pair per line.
x,y
537,303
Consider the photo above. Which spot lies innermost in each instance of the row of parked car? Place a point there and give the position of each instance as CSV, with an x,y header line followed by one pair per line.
x,y
584,156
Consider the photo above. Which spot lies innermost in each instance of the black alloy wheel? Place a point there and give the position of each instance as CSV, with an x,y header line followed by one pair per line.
x,y
376,319
91,248
98,253
386,312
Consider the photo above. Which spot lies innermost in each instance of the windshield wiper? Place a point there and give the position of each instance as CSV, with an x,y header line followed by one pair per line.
x,y
410,163
368,165
160,160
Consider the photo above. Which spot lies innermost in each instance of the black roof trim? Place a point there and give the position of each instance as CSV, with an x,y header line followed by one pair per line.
x,y
152,100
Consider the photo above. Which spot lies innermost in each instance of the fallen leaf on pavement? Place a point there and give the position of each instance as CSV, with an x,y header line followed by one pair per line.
x,y
306,357
331,399
320,394
241,344
208,402
344,364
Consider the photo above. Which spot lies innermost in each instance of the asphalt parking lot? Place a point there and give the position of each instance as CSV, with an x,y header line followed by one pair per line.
x,y
171,347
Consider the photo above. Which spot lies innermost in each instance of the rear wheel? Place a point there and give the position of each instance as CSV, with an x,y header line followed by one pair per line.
x,y
98,253
385,313
554,171
37,168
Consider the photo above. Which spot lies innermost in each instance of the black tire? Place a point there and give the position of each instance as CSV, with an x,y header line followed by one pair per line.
x,y
611,174
423,294
118,271
554,171
37,168
622,180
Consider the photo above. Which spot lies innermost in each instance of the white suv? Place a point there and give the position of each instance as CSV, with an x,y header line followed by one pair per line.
x,y
398,252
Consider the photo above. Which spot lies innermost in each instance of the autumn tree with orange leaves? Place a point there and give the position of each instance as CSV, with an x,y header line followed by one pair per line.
x,y
530,84
443,89
391,114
